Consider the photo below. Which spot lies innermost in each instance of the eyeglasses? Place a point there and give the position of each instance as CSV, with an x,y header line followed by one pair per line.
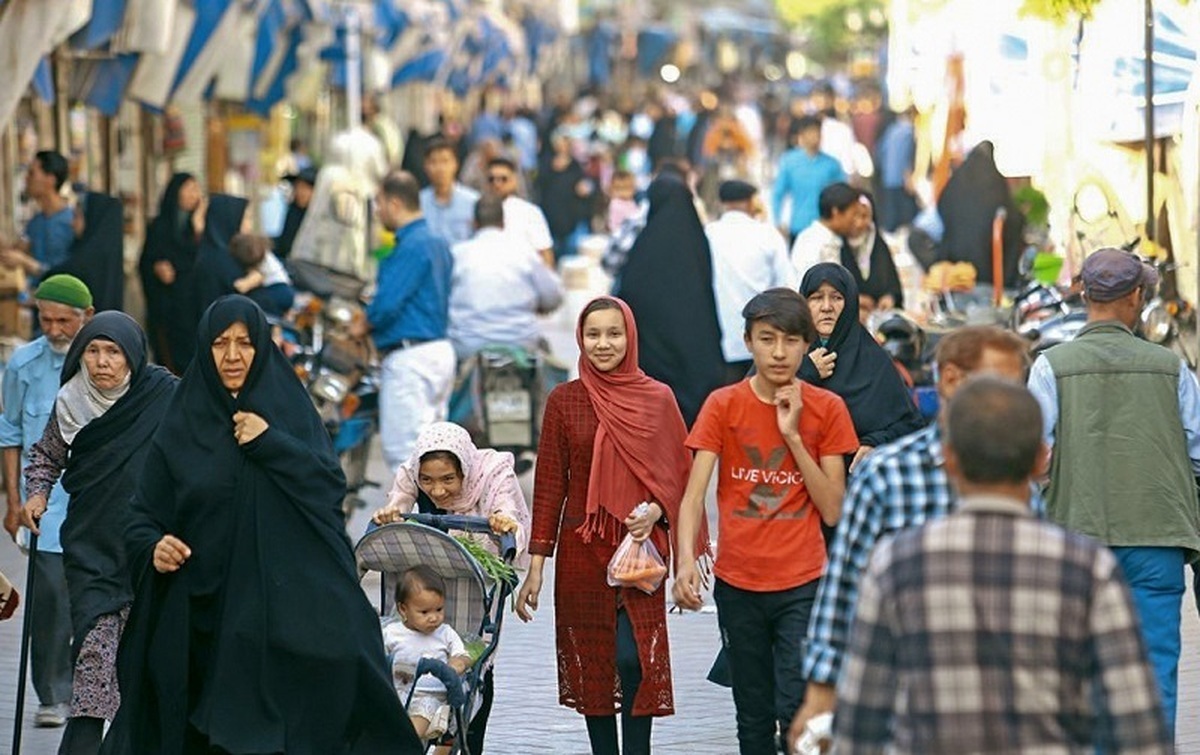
x,y
498,179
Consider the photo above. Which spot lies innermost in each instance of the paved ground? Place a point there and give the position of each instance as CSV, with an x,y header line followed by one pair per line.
x,y
527,718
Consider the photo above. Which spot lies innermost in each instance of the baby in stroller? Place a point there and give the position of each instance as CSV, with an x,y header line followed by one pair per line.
x,y
421,632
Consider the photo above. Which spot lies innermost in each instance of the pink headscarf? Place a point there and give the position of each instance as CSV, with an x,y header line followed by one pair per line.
x,y
639,452
489,483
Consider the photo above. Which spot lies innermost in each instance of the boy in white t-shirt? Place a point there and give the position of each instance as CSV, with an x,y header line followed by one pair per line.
x,y
420,633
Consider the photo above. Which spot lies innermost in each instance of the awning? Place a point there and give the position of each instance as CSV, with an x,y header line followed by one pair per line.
x,y
30,30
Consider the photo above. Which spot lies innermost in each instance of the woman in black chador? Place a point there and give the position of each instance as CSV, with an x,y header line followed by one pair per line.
x,y
249,633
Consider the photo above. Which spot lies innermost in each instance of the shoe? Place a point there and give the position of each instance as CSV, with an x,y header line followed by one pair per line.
x,y
51,716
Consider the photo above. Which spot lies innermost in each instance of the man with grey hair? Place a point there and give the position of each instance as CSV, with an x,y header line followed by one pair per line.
x,y
30,387
989,630
1122,416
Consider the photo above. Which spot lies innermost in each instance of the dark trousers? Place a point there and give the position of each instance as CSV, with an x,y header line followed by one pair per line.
x,y
50,646
763,633
635,730
896,208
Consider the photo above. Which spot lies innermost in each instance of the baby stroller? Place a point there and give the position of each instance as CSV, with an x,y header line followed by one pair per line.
x,y
474,601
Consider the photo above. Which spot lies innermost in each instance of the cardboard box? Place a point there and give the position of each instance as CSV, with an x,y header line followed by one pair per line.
x,y
12,285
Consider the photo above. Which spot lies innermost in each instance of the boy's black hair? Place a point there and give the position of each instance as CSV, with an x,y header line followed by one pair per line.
x,y
837,196
55,164
781,308
417,578
502,162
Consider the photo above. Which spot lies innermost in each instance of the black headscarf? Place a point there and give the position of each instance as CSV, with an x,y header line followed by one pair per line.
x,y
864,376
883,278
216,269
291,226
668,283
263,641
97,257
169,308
101,473
968,205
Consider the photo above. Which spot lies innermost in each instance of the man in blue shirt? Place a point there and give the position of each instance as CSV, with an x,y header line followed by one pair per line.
x,y
30,387
446,204
894,155
49,234
408,319
803,172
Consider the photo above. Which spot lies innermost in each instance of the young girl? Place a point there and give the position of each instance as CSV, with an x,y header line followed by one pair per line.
x,y
448,474
610,440
421,632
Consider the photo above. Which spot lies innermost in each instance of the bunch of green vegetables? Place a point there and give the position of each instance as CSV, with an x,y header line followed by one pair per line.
x,y
492,565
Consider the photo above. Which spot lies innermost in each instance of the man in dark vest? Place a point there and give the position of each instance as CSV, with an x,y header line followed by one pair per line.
x,y
1122,416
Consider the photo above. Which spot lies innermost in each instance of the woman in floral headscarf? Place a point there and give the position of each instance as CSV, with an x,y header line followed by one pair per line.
x,y
447,474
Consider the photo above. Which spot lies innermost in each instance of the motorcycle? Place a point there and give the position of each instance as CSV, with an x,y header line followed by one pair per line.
x,y
1170,321
499,395
912,350
340,371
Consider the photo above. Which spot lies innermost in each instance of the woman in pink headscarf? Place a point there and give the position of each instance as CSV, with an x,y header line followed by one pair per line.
x,y
458,478
449,472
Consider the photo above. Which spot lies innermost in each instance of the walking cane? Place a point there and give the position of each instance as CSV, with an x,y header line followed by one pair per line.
x,y
26,626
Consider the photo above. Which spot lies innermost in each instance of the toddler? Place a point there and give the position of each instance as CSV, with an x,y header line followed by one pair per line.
x,y
422,633
621,203
265,280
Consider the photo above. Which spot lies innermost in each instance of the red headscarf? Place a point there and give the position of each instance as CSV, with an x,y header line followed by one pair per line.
x,y
639,452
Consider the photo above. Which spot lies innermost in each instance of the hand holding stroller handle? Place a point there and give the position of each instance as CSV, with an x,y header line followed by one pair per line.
x,y
508,547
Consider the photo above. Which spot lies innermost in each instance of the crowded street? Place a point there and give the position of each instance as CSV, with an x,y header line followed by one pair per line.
x,y
599,376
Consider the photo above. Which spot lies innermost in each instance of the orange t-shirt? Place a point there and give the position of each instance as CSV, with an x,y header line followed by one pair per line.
x,y
770,532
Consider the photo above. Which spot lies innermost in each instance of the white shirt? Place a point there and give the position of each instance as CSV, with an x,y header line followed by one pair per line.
x,y
748,257
498,287
406,647
815,244
525,220
837,139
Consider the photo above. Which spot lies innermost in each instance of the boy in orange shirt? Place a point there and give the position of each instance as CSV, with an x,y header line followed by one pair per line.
x,y
781,445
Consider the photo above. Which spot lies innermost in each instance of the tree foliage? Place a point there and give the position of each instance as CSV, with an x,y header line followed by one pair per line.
x,y
1059,10
824,25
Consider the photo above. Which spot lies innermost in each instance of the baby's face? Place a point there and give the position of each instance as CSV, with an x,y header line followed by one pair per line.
x,y
423,612
622,190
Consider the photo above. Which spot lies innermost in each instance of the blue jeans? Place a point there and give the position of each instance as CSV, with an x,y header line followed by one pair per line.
x,y
1155,577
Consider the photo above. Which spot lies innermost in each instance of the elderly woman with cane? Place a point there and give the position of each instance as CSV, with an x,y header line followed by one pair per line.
x,y
109,406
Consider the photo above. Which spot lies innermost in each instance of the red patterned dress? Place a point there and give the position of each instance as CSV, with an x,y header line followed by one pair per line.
x,y
585,605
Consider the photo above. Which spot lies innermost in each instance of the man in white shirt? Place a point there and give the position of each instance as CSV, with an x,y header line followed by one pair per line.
x,y
822,240
499,286
748,257
522,218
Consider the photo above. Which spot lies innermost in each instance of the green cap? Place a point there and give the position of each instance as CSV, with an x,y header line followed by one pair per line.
x,y
64,289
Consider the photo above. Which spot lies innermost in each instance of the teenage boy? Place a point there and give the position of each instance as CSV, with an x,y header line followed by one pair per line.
x,y
781,445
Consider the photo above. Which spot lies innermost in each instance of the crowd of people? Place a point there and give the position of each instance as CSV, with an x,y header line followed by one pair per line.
x,y
1003,579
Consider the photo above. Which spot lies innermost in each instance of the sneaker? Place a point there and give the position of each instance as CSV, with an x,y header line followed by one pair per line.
x,y
51,716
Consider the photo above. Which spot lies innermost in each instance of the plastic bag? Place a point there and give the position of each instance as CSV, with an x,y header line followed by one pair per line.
x,y
637,565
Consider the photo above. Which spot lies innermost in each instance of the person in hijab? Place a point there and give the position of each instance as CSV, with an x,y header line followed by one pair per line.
x,y
847,360
250,633
565,193
447,474
968,207
217,272
302,191
97,255
667,282
109,406
611,440
869,260
168,258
